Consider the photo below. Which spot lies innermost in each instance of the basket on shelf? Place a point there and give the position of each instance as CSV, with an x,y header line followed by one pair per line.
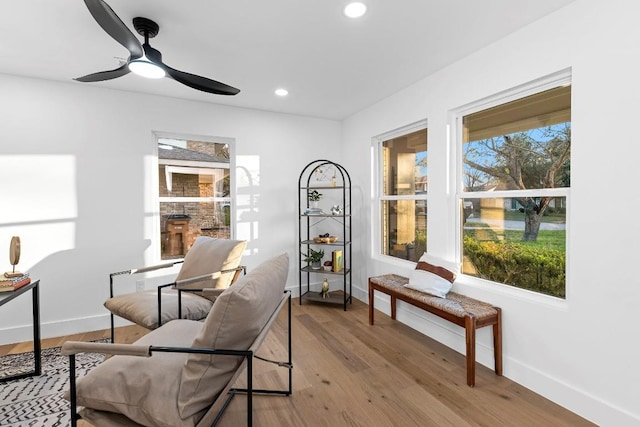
x,y
329,239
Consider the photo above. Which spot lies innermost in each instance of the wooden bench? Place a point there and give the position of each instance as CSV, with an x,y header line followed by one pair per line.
x,y
464,311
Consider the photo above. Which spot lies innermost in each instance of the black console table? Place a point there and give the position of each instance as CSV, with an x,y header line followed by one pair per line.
x,y
6,297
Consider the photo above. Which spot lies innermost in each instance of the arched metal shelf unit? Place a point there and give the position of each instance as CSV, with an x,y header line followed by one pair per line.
x,y
334,183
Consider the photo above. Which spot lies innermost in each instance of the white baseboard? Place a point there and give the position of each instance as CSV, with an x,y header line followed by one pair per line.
x,y
75,326
24,333
568,396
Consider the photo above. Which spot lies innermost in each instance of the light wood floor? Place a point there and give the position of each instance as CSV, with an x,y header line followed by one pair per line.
x,y
347,373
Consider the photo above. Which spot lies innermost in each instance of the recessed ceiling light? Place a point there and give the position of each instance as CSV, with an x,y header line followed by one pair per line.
x,y
355,10
282,92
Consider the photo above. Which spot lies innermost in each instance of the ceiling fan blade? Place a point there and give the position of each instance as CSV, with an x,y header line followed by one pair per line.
x,y
200,83
105,75
109,21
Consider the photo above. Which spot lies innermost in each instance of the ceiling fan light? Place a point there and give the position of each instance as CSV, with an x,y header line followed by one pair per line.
x,y
145,68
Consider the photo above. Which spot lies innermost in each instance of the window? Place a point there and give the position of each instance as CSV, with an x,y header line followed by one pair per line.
x,y
403,193
516,168
194,193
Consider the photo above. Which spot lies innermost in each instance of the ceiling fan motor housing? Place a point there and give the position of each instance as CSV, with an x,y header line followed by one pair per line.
x,y
146,27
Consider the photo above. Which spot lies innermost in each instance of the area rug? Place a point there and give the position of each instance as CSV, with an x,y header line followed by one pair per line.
x,y
38,401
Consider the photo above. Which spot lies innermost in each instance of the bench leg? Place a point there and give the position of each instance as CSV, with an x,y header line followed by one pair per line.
x,y
470,333
497,343
370,303
393,307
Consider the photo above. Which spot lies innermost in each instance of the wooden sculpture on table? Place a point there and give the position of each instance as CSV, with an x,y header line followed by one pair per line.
x,y
14,257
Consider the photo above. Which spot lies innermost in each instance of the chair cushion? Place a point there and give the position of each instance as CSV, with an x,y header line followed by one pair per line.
x,y
208,255
144,389
141,308
236,319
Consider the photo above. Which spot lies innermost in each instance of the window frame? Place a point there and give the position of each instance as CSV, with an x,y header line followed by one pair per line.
x,y
155,187
560,78
378,195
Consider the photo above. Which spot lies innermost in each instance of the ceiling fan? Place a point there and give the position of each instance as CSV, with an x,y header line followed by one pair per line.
x,y
143,59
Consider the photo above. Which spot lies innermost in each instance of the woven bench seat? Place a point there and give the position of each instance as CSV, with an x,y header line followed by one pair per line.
x,y
462,310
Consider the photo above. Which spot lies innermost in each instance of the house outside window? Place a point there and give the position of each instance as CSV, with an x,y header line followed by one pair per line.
x,y
516,164
194,193
402,166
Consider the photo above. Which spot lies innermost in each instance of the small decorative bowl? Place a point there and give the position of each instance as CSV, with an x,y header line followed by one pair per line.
x,y
329,239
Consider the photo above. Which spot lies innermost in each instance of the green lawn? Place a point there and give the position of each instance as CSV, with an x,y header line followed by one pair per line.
x,y
549,239
550,218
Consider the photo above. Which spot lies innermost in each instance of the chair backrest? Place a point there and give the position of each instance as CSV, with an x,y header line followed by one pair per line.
x,y
237,317
215,410
209,255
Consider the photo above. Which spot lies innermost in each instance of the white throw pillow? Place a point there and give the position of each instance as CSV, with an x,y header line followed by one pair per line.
x,y
430,277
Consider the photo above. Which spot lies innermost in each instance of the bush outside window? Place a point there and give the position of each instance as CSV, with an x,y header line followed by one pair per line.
x,y
516,164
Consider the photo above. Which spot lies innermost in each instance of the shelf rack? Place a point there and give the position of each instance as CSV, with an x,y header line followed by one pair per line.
x,y
329,178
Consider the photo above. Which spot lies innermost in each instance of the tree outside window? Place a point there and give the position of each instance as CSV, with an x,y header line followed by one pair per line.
x,y
516,163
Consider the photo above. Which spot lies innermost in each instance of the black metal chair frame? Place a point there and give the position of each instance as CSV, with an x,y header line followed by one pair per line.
x,y
231,392
175,284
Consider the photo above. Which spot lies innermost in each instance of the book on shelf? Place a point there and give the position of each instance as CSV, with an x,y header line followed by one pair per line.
x,y
8,285
313,211
336,258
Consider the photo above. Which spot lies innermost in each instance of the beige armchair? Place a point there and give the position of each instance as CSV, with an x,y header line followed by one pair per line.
x,y
209,267
183,373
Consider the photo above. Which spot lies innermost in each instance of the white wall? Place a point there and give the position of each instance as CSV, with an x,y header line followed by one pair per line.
x,y
582,353
76,185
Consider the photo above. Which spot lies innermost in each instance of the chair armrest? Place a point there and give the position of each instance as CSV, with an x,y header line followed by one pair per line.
x,y
139,270
146,269
75,347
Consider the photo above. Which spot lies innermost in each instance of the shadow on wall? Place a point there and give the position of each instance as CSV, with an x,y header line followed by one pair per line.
x,y
74,284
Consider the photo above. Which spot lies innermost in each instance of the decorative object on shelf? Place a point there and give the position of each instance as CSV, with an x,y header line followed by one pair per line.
x,y
314,197
336,210
313,211
325,238
336,260
327,266
14,257
313,258
325,289
326,174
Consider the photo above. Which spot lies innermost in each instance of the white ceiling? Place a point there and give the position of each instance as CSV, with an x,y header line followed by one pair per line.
x,y
332,66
